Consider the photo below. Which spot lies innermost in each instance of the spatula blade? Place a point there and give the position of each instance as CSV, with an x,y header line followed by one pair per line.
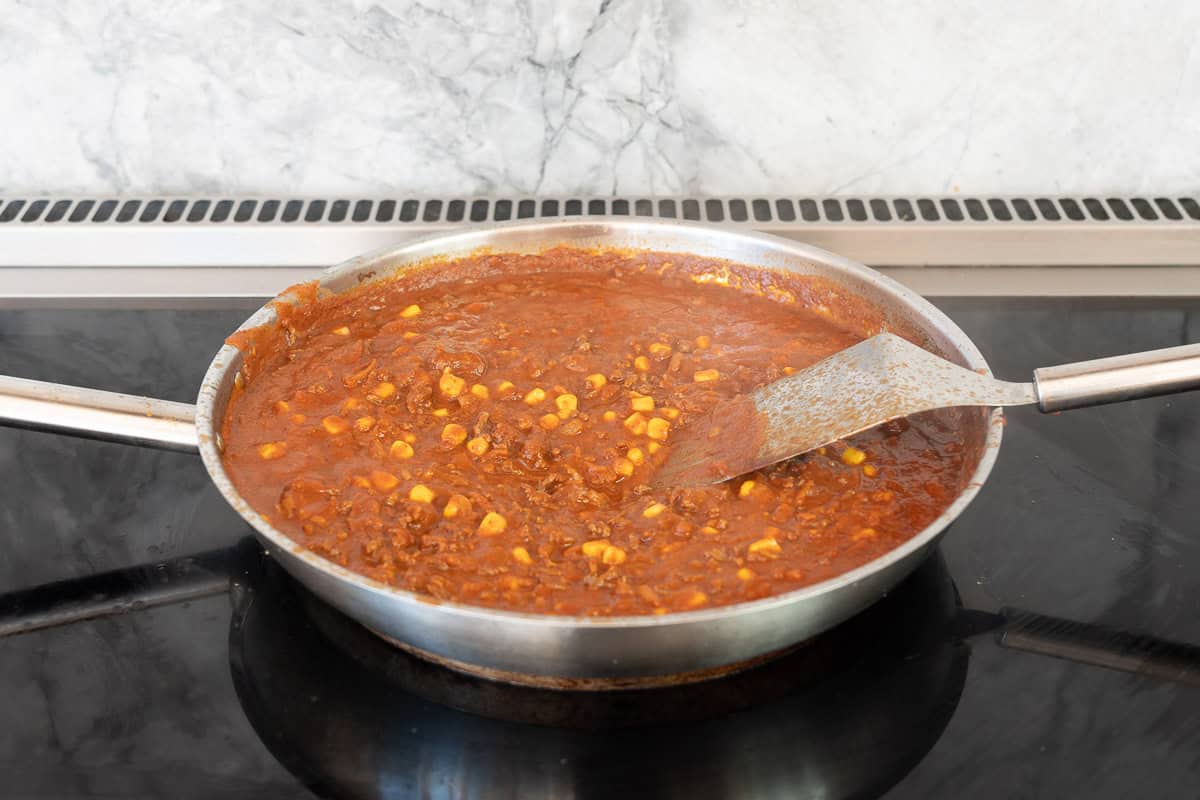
x,y
876,380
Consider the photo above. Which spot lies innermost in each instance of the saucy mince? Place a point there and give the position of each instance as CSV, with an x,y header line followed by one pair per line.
x,y
483,431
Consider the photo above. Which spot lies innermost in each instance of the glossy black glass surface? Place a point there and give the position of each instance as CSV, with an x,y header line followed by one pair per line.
x,y
1045,652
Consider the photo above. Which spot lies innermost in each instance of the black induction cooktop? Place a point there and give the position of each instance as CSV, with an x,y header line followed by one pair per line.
x,y
1049,649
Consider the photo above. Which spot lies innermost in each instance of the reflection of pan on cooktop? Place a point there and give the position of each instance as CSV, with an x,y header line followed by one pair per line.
x,y
847,715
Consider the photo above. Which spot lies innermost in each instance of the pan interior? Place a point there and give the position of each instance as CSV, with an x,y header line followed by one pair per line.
x,y
903,312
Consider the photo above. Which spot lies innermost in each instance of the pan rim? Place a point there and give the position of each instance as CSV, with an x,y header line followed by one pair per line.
x,y
460,242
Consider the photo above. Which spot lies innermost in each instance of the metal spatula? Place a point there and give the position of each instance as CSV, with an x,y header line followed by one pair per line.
x,y
886,377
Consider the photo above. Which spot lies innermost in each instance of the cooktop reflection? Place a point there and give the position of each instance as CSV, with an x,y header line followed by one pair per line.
x,y
149,649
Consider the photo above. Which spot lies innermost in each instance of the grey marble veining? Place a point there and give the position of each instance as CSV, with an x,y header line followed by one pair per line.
x,y
334,96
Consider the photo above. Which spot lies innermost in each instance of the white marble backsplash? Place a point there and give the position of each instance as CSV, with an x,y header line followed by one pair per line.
x,y
619,96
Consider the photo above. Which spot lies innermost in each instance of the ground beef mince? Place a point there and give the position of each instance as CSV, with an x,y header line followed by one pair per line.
x,y
483,431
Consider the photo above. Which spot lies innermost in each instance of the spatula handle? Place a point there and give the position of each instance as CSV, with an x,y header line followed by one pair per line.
x,y
1113,380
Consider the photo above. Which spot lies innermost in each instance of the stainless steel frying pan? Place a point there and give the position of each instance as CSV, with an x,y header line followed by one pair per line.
x,y
556,651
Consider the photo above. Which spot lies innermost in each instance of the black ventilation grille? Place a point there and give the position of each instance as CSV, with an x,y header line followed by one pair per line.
x,y
751,211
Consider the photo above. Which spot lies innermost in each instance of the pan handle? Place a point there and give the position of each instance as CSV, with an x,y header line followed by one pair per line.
x,y
93,414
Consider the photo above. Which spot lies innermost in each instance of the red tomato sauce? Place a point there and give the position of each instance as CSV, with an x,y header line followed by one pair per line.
x,y
483,431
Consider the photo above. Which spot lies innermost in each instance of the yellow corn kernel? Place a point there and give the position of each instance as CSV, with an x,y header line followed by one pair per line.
x,y
657,428
567,405
635,455
480,391
548,421
709,530
453,434
697,599
746,488
641,402
351,403
522,555
364,424
504,387
421,493
745,573
671,413
613,555
282,406
623,466
609,416
450,384
409,437
635,423
298,418
870,470
653,510
595,548
272,450
335,425
705,375
789,370
400,450
534,396
853,456
361,482
478,446
384,481
342,331
411,311
440,412
596,381
512,583
653,447
456,505
410,335
383,390
865,533
766,547
659,349
702,342
641,364
492,524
